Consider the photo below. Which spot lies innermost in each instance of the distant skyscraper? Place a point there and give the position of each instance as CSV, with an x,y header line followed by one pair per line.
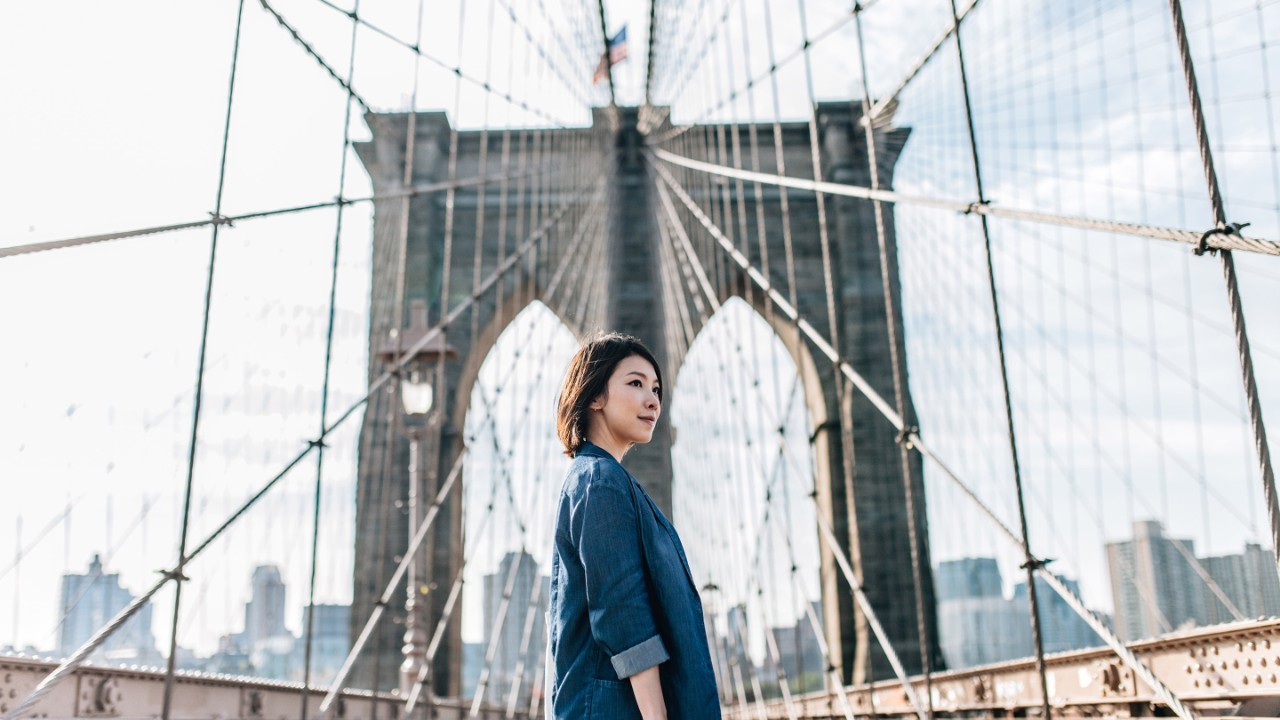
x,y
329,641
1061,628
1154,586
976,624
264,613
799,654
968,578
510,639
1248,580
88,602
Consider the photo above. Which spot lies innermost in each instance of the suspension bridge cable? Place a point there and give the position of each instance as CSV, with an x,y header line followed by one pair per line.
x,y
456,70
229,220
781,461
315,55
309,630
48,528
829,537
898,372
1222,227
1233,241
1029,561
423,673
887,104
78,658
177,574
771,74
1098,624
384,599
424,669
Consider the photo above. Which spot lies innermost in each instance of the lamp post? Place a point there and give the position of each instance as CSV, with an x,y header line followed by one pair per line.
x,y
417,396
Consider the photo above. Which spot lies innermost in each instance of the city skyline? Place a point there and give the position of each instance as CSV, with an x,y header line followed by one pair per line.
x,y
96,427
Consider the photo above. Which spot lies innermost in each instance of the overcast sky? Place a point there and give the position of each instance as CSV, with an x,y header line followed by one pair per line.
x,y
1124,375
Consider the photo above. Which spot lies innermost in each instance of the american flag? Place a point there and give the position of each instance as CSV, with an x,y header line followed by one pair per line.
x,y
615,53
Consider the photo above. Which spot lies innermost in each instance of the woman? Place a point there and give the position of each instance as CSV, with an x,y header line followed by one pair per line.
x,y
627,635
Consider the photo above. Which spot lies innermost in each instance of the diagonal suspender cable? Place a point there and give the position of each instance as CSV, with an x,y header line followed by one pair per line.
x,y
1223,228
407,192
180,567
923,628
456,70
1096,622
890,100
1029,561
309,630
78,658
774,422
825,527
1221,241
384,600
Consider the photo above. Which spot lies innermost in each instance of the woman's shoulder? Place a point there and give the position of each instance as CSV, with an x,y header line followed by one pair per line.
x,y
589,469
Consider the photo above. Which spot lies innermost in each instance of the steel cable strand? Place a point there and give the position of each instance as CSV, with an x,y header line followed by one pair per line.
x,y
70,664
826,533
384,600
512,573
424,671
1116,466
771,74
446,616
178,572
1095,621
455,70
308,631
890,101
1223,228
713,34
1233,241
229,220
1030,561
923,629
773,421
507,476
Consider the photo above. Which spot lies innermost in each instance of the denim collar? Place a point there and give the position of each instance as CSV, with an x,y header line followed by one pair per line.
x,y
591,449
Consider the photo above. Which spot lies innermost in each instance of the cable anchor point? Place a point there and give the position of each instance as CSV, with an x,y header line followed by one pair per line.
x,y
220,219
1226,229
975,207
905,435
174,574
1035,563
317,444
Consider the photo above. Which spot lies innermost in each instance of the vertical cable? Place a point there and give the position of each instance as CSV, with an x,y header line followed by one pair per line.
x,y
923,629
177,574
309,630
1221,226
1030,562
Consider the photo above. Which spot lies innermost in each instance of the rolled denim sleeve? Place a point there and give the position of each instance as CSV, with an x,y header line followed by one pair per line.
x,y
617,598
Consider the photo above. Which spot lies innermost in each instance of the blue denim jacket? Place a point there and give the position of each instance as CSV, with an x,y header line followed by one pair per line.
x,y
622,601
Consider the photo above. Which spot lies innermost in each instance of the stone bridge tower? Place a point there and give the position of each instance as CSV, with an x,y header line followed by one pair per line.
x,y
866,509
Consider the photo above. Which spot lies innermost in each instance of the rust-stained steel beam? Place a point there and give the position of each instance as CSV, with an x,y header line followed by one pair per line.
x,y
1215,670
104,692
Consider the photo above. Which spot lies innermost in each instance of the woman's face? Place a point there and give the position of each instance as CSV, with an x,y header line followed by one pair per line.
x,y
628,410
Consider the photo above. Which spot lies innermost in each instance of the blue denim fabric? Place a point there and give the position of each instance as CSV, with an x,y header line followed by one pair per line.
x,y
622,601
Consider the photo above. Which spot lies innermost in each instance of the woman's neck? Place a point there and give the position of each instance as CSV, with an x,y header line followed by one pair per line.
x,y
613,446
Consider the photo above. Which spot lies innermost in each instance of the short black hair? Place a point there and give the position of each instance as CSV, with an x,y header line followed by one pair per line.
x,y
588,377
